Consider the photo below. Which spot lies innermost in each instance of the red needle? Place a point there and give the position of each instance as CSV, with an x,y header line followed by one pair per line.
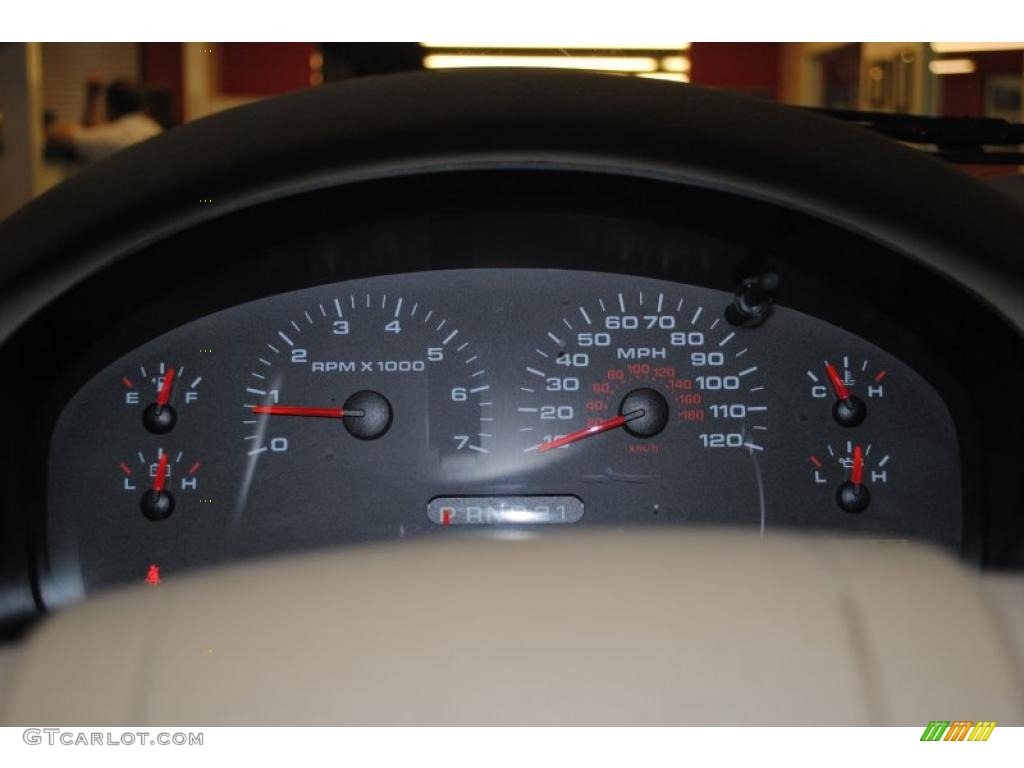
x,y
165,390
837,383
596,429
161,474
295,410
857,473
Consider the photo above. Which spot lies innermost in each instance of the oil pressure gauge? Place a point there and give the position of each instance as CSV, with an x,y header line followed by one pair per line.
x,y
161,482
849,473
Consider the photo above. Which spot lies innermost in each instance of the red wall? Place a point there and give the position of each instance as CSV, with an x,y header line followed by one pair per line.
x,y
749,67
964,95
162,67
264,69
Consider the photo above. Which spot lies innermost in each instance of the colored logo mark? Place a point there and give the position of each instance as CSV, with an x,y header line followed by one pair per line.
x,y
958,730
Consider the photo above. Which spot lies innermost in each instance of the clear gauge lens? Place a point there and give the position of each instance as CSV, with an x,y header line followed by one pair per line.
x,y
359,386
486,400
646,372
650,391
849,472
162,482
160,390
850,386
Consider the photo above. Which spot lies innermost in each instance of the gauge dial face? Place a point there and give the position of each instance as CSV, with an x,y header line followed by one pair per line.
x,y
646,387
359,369
160,390
850,472
355,366
433,403
162,483
145,384
851,376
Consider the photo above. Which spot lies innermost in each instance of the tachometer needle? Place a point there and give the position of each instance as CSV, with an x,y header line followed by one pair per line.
x,y
838,385
164,395
295,410
161,474
595,429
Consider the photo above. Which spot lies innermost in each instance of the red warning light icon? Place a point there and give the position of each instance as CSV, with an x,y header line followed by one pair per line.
x,y
153,575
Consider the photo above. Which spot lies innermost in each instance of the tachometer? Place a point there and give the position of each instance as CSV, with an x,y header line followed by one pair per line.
x,y
361,368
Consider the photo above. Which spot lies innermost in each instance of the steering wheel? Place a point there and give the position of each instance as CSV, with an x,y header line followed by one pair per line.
x,y
676,625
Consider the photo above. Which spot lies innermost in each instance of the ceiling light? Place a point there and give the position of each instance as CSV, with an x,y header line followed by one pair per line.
x,y
675,64
969,47
951,66
643,44
598,63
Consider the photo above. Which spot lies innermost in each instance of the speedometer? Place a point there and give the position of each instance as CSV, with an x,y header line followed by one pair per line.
x,y
645,384
644,369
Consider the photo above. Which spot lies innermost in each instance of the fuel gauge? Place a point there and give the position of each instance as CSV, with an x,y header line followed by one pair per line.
x,y
160,390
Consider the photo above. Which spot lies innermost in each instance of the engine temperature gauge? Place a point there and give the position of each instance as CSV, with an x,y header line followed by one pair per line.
x,y
848,386
850,474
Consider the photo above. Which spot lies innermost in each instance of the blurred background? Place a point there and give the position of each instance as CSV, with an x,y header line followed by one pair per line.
x,y
64,105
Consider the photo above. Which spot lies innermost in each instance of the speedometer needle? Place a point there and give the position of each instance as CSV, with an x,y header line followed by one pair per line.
x,y
595,429
295,410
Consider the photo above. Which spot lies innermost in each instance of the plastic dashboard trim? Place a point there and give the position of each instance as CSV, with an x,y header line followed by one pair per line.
x,y
408,124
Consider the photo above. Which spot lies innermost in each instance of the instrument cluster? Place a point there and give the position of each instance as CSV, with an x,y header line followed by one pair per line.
x,y
491,400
